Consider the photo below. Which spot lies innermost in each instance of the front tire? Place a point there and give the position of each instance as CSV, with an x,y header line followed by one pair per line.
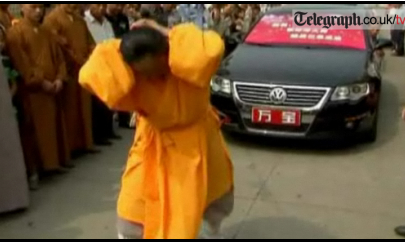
x,y
371,134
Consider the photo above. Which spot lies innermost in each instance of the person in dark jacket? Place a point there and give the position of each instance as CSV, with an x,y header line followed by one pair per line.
x,y
115,15
171,16
133,12
153,11
120,24
397,32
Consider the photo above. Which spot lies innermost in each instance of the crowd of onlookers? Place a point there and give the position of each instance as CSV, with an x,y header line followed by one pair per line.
x,y
43,47
231,21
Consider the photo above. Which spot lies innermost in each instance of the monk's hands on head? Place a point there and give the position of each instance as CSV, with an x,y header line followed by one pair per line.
x,y
144,23
58,84
150,23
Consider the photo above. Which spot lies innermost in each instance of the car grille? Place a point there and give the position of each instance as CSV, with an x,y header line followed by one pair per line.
x,y
300,97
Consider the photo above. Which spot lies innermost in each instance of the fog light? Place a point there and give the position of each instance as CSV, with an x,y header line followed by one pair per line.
x,y
219,84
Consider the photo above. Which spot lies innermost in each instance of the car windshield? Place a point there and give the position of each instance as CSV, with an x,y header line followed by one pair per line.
x,y
279,30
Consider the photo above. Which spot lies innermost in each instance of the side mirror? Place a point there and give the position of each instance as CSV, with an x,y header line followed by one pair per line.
x,y
383,43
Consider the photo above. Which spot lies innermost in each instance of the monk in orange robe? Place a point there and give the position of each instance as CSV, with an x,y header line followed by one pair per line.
x,y
179,172
40,62
70,31
5,16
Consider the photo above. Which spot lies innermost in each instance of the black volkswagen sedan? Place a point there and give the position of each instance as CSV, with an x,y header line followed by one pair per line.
x,y
300,83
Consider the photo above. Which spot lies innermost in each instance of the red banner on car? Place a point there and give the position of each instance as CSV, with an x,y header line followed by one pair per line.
x,y
278,29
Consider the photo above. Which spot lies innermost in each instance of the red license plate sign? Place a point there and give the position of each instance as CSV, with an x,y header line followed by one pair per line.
x,y
278,117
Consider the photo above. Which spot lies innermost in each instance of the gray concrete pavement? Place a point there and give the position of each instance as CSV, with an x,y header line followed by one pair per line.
x,y
283,189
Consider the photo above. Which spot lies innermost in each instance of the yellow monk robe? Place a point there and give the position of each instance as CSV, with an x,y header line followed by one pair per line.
x,y
73,36
37,58
178,164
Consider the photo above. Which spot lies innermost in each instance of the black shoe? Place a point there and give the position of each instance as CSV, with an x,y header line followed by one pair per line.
x,y
92,151
400,231
69,166
124,125
61,171
115,137
75,155
103,143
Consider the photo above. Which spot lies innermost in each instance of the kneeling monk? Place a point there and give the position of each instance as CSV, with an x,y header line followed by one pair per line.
x,y
179,171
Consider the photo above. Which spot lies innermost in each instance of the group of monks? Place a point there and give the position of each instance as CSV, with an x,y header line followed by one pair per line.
x,y
48,52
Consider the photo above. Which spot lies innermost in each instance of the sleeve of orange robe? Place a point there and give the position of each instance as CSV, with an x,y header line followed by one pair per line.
x,y
60,63
195,54
51,22
107,76
33,77
62,71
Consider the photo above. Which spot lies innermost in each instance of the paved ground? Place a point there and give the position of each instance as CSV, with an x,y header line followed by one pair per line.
x,y
284,190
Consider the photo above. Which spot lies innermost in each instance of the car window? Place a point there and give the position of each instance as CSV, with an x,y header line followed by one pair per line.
x,y
279,30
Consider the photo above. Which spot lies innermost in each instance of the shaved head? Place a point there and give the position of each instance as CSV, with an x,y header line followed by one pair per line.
x,y
146,50
71,8
98,11
33,12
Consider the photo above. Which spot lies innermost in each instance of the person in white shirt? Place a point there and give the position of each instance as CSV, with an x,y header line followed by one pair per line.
x,y
397,31
101,30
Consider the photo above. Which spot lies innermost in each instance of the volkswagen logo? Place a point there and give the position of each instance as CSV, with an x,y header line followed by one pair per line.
x,y
278,95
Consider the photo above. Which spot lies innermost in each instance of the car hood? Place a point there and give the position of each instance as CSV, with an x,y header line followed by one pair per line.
x,y
295,65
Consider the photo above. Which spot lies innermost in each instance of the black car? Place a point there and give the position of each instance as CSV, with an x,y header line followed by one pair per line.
x,y
306,83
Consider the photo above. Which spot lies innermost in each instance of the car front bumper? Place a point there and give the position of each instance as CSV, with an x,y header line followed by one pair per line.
x,y
333,120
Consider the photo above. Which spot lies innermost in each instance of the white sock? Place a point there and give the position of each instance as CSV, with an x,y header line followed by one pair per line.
x,y
208,232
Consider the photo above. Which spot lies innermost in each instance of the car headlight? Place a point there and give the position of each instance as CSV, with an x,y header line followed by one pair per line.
x,y
351,93
219,84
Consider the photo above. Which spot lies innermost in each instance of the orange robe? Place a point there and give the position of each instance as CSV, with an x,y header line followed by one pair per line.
x,y
178,164
71,32
37,58
5,18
